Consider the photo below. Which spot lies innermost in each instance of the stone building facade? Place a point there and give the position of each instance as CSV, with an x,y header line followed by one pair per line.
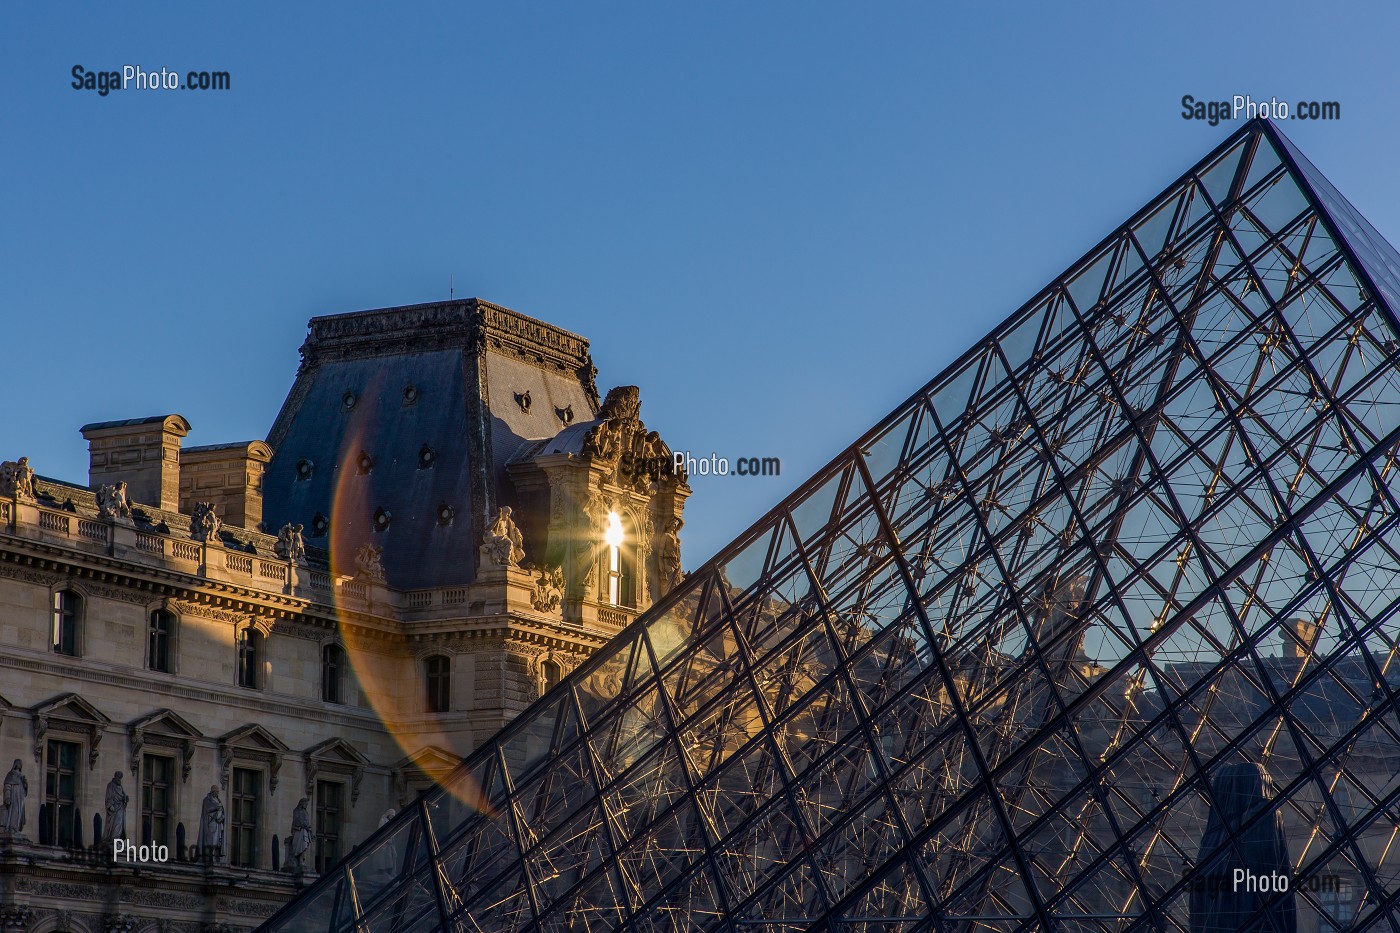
x,y
275,643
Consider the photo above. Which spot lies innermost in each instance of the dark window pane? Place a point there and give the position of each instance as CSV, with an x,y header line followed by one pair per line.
x,y
328,828
157,799
244,808
438,672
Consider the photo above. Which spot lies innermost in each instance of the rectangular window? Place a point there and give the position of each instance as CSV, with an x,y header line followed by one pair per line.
x,y
162,635
328,828
65,622
245,806
1338,910
157,799
61,792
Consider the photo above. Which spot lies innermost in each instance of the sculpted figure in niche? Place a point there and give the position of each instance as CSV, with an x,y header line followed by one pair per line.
x,y
211,825
112,504
300,839
503,545
669,557
114,826
290,544
16,790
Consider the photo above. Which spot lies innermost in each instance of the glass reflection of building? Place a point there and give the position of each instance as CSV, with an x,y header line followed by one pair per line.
x,y
1109,604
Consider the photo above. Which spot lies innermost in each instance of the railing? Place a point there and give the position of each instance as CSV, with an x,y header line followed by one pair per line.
x,y
455,596
185,550
93,531
613,617
270,571
420,599
102,532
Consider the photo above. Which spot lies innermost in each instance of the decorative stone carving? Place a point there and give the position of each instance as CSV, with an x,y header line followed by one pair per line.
x,y
112,503
17,479
502,544
204,522
290,544
523,400
669,555
16,916
637,457
120,923
549,590
369,562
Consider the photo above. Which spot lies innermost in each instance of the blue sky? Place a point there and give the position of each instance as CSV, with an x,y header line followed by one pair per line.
x,y
778,219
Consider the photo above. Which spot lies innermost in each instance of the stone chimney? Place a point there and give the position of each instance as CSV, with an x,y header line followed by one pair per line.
x,y
228,475
142,452
1304,634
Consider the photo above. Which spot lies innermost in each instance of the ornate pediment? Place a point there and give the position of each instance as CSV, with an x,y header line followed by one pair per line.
x,y
69,714
163,729
335,756
621,441
251,742
430,764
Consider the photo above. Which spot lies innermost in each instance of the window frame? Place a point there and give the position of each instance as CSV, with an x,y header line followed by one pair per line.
x,y
169,640
333,665
251,647
148,788
329,839
59,613
438,683
61,815
236,826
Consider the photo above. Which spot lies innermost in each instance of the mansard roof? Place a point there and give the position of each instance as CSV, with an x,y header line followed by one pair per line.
x,y
400,412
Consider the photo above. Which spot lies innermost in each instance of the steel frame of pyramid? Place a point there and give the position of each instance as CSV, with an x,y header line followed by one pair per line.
x,y
985,670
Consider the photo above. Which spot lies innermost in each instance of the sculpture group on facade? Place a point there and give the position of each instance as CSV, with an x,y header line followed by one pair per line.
x,y
369,562
502,544
112,503
549,589
204,522
290,543
17,479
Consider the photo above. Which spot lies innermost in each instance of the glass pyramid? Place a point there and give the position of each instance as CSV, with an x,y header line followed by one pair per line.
x,y
1104,614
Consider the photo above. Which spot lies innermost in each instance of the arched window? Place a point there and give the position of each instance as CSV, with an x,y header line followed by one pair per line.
x,y
551,672
620,571
332,672
160,642
67,617
437,672
250,658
